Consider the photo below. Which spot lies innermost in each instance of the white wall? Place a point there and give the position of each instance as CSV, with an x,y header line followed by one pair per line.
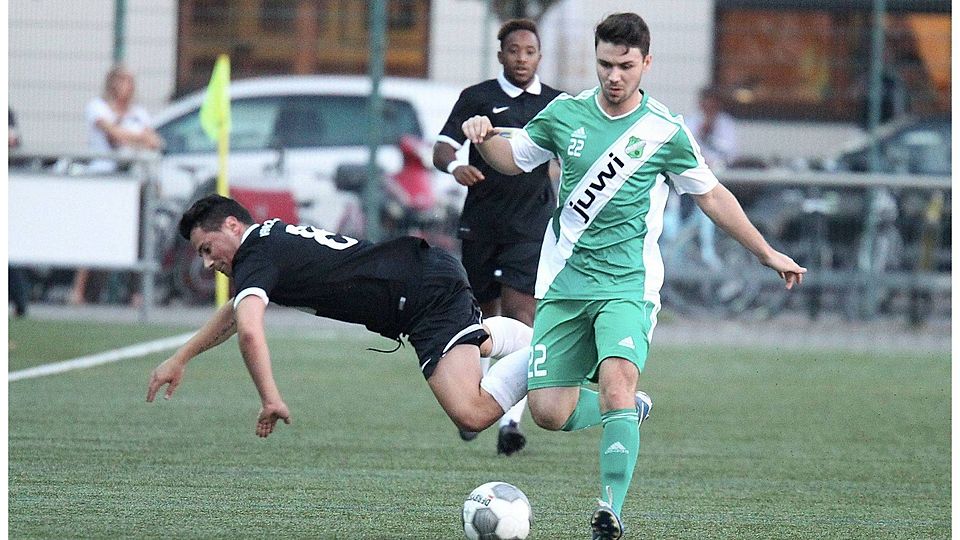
x,y
60,51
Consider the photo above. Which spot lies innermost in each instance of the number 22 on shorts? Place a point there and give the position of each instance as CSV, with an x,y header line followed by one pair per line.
x,y
537,357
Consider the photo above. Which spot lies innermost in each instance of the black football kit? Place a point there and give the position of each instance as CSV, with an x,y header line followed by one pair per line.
x,y
401,287
504,217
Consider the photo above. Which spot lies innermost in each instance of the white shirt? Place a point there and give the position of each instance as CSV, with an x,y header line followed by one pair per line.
x,y
136,120
513,90
721,146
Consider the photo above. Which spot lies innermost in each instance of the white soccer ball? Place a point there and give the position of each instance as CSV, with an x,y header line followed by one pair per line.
x,y
497,511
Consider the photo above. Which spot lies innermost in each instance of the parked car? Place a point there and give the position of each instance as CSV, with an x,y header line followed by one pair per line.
x,y
304,139
296,131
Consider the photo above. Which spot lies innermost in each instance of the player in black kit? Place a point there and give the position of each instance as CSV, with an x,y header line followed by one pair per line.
x,y
398,288
503,218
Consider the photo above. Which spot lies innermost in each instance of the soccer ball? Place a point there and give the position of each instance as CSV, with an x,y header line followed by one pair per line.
x,y
497,511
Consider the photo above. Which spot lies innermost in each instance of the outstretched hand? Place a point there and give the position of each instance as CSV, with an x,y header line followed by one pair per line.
x,y
170,372
269,414
477,129
791,272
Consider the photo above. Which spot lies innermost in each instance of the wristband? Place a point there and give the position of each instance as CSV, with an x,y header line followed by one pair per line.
x,y
454,164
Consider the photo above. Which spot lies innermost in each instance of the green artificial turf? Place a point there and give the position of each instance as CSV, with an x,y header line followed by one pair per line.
x,y
743,443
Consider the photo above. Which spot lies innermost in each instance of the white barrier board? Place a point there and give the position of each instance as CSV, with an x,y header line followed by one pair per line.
x,y
73,221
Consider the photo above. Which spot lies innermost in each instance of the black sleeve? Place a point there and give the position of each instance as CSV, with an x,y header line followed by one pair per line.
x,y
257,270
464,108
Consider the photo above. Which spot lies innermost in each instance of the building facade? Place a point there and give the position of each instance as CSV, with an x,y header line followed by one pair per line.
x,y
792,74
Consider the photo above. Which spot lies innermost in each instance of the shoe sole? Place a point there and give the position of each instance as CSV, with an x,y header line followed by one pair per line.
x,y
510,443
605,525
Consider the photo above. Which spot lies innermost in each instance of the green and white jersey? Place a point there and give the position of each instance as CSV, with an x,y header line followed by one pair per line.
x,y
602,239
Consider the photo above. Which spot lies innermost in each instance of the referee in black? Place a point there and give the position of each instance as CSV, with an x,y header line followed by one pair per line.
x,y
503,218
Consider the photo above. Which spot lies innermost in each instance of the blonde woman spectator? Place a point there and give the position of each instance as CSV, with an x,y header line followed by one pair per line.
x,y
114,124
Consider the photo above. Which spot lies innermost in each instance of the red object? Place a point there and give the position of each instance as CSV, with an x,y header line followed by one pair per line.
x,y
267,204
414,178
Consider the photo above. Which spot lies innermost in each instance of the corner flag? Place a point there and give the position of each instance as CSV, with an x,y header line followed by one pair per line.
x,y
215,111
215,121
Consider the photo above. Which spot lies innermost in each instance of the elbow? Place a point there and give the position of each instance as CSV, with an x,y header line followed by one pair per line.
x,y
509,169
248,338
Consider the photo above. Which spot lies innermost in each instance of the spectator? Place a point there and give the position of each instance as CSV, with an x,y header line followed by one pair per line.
x,y
114,123
716,132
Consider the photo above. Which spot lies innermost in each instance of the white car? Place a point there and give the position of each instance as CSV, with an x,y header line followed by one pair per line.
x,y
296,131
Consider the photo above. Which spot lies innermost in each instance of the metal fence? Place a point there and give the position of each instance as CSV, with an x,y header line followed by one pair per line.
x,y
873,244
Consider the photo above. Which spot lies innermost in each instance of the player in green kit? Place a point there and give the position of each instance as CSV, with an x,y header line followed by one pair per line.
x,y
600,267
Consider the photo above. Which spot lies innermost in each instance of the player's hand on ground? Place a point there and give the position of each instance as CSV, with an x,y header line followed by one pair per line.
x,y
269,414
467,175
169,373
791,272
478,129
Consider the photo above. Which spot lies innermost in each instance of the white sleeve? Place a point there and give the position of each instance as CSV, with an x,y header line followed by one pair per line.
x,y
142,116
251,291
526,153
98,109
698,179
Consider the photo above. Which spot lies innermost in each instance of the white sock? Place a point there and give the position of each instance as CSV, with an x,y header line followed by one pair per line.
x,y
515,413
506,380
507,335
484,364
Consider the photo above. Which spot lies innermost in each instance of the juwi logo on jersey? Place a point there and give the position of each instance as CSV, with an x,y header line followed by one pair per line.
x,y
634,147
582,205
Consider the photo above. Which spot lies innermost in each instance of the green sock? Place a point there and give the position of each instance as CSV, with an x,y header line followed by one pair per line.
x,y
587,413
619,446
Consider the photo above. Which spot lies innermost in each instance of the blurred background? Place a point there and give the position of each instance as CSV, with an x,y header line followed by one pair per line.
x,y
841,111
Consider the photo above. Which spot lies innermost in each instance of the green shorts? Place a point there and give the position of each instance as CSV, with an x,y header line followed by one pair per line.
x,y
572,337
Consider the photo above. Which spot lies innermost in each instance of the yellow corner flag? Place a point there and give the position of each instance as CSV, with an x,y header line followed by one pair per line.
x,y
215,121
215,111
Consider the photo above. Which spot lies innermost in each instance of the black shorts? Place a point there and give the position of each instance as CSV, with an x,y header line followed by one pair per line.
x,y
445,313
490,264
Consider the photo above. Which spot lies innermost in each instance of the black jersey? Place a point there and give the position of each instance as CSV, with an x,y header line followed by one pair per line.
x,y
331,275
502,209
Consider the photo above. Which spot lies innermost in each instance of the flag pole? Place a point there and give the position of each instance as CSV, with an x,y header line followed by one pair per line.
x,y
215,121
223,151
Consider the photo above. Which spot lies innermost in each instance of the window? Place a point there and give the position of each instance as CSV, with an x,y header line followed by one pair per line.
x,y
251,120
277,15
293,122
786,60
275,37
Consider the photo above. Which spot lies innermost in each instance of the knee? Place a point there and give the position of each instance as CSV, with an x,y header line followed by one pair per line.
x,y
618,384
471,422
619,397
547,417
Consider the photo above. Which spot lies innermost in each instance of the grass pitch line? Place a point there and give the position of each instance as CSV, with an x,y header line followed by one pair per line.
x,y
107,357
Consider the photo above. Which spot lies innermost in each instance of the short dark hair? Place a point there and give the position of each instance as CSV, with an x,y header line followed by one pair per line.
x,y
513,25
626,29
209,213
